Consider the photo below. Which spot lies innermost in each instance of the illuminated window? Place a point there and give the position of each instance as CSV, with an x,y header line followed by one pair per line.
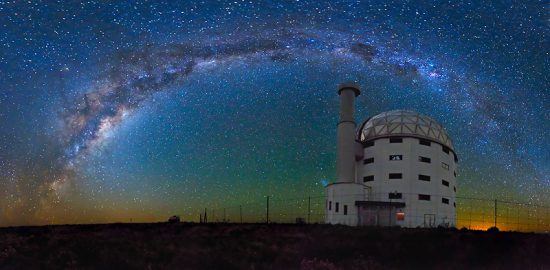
x,y
368,178
345,209
445,200
396,157
395,176
423,177
368,160
395,195
445,166
425,142
396,140
425,159
400,216
445,183
424,197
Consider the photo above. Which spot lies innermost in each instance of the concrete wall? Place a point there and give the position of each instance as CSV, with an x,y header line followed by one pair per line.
x,y
410,186
344,194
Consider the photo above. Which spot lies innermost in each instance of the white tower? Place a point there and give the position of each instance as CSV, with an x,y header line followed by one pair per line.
x,y
342,194
345,162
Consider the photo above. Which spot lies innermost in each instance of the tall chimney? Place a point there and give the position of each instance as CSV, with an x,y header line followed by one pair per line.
x,y
345,162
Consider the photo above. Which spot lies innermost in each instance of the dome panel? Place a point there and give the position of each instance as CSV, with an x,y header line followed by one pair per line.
x,y
403,123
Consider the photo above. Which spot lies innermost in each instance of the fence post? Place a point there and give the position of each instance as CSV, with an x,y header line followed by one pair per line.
x,y
267,211
308,209
495,213
517,223
470,224
389,221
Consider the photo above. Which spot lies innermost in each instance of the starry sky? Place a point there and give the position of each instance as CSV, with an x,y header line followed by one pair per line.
x,y
112,110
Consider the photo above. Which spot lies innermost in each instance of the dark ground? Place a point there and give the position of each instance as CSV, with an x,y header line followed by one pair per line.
x,y
257,246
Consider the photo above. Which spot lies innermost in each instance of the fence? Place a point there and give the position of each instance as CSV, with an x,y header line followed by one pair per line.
x,y
471,213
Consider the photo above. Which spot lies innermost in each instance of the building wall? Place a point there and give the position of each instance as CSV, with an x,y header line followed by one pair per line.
x,y
409,185
345,194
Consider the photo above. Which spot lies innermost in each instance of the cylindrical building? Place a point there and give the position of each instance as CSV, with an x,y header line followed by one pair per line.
x,y
398,169
410,159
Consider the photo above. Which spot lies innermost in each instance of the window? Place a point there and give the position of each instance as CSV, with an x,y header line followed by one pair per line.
x,y
368,160
330,205
396,140
425,142
454,173
400,216
396,157
425,159
368,178
445,182
445,200
423,177
454,204
456,158
368,144
423,197
446,149
337,207
395,195
395,176
345,209
454,188
445,166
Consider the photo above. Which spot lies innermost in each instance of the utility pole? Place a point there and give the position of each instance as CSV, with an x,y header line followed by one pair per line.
x,y
241,213
495,213
308,209
267,211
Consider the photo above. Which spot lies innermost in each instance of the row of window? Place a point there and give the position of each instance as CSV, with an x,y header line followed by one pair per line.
x,y
421,177
400,157
425,142
337,207
421,197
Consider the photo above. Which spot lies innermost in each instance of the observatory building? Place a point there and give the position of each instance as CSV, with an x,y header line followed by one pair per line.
x,y
398,168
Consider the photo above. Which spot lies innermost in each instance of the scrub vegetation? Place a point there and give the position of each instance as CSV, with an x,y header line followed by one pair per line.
x,y
261,246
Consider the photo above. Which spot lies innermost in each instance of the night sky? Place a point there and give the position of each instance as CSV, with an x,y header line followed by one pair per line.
x,y
111,111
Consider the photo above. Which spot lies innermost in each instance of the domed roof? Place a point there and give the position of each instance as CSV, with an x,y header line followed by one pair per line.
x,y
403,123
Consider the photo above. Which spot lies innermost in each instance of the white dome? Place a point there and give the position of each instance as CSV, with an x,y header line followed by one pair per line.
x,y
404,123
